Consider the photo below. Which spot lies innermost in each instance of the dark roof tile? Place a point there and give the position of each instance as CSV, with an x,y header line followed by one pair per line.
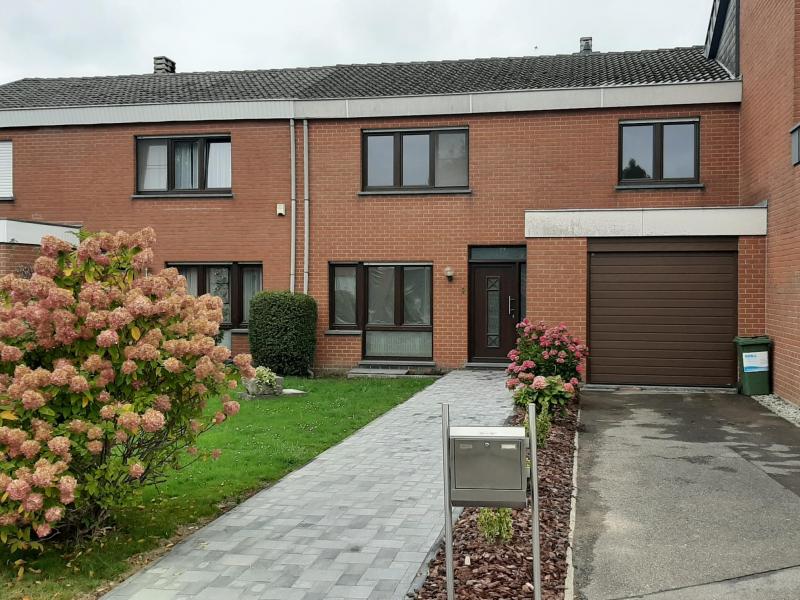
x,y
372,80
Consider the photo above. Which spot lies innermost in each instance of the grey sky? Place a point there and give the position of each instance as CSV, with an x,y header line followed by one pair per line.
x,y
51,38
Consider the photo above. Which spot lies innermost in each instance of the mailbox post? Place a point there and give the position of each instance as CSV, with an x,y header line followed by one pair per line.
x,y
487,466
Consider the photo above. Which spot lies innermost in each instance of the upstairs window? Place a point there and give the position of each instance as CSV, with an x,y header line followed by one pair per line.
x,y
183,165
795,147
6,171
410,160
659,152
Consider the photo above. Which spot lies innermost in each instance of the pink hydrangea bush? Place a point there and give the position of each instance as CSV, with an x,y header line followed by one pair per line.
x,y
546,364
105,371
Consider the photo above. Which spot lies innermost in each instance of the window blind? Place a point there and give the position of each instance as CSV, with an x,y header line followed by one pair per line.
x,y
6,172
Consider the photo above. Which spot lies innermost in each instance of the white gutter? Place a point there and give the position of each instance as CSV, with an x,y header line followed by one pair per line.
x,y
352,108
293,217
306,204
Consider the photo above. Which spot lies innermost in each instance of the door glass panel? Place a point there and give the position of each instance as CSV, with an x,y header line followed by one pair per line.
x,y
380,161
417,296
679,148
381,295
416,159
493,312
218,283
637,152
187,167
344,295
405,344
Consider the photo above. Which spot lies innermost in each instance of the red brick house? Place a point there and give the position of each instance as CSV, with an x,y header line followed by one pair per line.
x,y
429,206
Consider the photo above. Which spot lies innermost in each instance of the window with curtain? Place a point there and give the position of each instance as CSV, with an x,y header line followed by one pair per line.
x,y
392,304
6,169
235,283
415,159
183,165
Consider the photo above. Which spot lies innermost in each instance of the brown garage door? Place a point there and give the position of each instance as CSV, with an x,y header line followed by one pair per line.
x,y
663,311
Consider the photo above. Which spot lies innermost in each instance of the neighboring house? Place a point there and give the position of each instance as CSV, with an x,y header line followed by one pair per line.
x,y
429,206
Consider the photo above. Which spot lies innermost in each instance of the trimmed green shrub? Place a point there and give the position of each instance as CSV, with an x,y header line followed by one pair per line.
x,y
283,332
496,525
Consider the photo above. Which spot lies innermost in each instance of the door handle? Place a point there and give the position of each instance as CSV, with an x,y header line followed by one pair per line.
x,y
510,306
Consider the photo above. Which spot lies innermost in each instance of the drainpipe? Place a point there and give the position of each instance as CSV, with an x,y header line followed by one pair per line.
x,y
293,251
306,215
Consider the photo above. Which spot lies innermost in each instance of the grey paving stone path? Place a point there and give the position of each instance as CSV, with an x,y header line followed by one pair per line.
x,y
357,522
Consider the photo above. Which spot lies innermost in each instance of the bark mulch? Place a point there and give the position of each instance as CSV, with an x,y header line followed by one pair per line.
x,y
485,571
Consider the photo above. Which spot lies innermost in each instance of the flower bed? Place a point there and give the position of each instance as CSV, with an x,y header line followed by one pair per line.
x,y
486,571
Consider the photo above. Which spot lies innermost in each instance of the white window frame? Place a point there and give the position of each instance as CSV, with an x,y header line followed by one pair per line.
x,y
6,170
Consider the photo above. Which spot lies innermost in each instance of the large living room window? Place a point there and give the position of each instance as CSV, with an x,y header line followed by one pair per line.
x,y
659,153
415,160
235,283
391,303
183,165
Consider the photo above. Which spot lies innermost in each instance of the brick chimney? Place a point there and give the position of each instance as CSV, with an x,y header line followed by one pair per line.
x,y
162,64
586,45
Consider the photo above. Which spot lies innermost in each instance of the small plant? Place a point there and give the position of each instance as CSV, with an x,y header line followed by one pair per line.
x,y
495,524
543,422
283,332
265,379
547,393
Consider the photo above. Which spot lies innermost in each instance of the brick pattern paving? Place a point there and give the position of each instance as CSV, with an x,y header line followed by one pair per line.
x,y
357,522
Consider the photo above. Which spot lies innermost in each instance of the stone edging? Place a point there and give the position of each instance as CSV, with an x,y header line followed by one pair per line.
x,y
782,408
569,583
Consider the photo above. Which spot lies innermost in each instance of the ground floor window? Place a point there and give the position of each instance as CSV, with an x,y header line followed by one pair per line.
x,y
235,283
391,303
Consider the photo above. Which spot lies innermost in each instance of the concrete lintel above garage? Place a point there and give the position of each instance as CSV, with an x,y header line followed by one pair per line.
x,y
15,231
647,222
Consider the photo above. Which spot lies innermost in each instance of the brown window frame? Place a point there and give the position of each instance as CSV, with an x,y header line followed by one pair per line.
x,y
362,299
236,278
658,180
202,175
397,169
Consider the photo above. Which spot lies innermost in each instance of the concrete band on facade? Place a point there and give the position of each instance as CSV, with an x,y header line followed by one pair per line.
x,y
448,104
647,222
14,231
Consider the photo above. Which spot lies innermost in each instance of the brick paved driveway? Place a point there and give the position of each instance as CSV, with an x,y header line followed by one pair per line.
x,y
357,522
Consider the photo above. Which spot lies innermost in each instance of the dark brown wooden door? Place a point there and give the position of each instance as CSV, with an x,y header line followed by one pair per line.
x,y
663,318
494,308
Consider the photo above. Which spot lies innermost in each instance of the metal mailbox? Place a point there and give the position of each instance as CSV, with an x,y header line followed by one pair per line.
x,y
488,466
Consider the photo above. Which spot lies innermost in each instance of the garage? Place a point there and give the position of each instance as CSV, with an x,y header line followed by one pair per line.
x,y
663,311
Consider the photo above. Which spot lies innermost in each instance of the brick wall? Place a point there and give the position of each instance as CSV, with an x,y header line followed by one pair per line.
x,y
752,279
553,159
16,259
770,107
546,160
86,175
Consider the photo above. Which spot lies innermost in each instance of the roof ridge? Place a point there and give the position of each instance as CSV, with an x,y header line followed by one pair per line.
x,y
365,64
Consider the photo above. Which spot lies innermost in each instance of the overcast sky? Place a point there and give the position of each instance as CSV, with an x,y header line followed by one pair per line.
x,y
52,38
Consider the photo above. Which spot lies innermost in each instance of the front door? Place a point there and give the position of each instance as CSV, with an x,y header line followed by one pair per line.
x,y
494,310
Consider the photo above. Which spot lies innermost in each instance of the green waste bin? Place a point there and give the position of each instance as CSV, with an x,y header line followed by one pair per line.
x,y
753,353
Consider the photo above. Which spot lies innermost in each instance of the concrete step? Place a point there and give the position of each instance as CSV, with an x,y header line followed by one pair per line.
x,y
375,372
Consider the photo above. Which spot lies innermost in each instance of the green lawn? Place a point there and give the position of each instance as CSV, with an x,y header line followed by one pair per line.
x,y
267,440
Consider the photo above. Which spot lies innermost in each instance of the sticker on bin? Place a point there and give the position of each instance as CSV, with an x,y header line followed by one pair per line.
x,y
755,362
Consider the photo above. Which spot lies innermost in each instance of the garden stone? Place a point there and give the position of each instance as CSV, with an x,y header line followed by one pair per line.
x,y
254,389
